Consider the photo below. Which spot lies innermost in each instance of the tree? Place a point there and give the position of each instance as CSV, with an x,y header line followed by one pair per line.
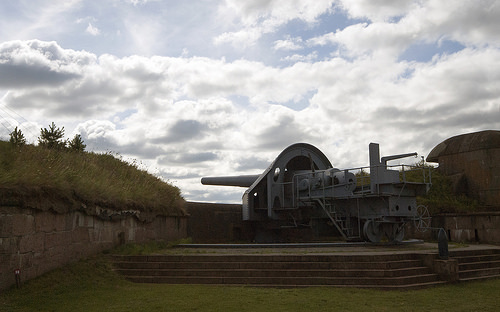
x,y
52,137
17,137
77,144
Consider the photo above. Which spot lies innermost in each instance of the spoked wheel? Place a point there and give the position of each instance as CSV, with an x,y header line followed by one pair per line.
x,y
423,218
372,231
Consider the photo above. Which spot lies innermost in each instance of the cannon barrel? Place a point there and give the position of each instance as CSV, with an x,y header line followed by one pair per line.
x,y
385,159
242,180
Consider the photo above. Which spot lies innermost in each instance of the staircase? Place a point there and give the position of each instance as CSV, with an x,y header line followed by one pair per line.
x,y
477,264
383,271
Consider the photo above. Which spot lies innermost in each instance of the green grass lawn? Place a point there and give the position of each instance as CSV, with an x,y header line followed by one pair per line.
x,y
90,285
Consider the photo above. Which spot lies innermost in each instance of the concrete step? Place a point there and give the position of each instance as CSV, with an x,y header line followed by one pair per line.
x,y
473,252
388,265
277,273
478,265
478,273
266,258
289,281
382,271
478,258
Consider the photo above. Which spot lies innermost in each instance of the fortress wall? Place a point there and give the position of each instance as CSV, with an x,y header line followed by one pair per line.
x,y
463,228
36,241
217,223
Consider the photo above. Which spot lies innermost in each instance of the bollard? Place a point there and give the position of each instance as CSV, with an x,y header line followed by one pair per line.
x,y
443,244
17,273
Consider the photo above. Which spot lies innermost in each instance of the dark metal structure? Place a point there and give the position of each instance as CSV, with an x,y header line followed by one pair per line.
x,y
301,187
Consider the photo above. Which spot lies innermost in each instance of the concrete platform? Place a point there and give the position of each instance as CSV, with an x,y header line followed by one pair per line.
x,y
403,266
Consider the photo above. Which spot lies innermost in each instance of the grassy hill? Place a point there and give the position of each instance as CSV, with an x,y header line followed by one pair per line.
x,y
61,180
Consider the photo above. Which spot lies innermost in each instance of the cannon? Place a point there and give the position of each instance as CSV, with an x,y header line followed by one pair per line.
x,y
301,187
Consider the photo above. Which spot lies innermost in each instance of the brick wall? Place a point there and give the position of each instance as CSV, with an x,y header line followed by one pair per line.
x,y
36,241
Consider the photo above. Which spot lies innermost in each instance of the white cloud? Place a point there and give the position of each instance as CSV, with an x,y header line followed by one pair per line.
x,y
289,44
378,11
309,58
94,31
194,114
255,18
395,25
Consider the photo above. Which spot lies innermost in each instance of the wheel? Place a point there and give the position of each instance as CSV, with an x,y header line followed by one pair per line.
x,y
423,219
372,231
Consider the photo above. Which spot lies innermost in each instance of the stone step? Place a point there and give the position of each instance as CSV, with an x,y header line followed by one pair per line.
x,y
289,281
479,278
383,270
276,273
478,265
389,265
478,273
473,252
478,258
266,258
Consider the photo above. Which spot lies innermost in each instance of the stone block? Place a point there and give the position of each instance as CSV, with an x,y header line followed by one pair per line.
x,y
447,269
9,245
32,243
48,222
6,222
57,239
22,224
80,235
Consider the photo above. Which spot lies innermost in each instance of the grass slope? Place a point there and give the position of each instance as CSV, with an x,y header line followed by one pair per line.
x,y
89,178
91,285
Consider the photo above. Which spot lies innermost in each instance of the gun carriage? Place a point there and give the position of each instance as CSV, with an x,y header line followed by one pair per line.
x,y
301,186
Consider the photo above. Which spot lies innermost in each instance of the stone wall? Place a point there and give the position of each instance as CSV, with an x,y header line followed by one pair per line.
x,y
217,223
222,223
36,241
463,228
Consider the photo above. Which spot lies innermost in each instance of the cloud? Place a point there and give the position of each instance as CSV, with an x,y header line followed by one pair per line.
x,y
340,85
94,31
187,158
393,26
379,11
36,63
256,18
309,58
289,44
184,130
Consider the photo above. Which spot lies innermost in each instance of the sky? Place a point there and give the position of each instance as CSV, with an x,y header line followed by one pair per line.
x,y
197,88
